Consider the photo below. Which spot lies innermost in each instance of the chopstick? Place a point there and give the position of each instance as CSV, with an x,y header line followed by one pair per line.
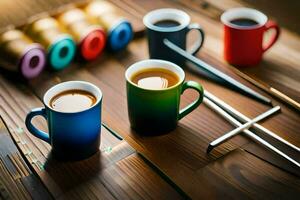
x,y
250,134
241,117
216,72
280,95
234,132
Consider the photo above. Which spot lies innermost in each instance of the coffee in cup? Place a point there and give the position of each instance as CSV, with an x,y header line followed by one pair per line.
x,y
153,96
72,101
155,78
167,23
244,30
246,22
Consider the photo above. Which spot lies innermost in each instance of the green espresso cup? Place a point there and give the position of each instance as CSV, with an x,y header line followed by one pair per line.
x,y
156,111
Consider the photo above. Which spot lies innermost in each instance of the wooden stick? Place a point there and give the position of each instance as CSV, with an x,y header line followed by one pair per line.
x,y
250,134
286,99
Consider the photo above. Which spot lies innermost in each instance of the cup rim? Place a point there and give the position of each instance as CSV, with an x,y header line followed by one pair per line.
x,y
149,63
71,85
250,13
166,13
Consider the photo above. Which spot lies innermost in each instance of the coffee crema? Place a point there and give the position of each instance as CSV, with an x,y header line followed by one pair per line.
x,y
167,23
72,101
244,22
155,78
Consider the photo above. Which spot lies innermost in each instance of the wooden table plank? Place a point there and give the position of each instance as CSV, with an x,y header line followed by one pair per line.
x,y
116,174
248,178
16,179
135,180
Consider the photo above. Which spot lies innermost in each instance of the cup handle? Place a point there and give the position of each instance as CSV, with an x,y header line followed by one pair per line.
x,y
196,86
32,129
271,25
198,44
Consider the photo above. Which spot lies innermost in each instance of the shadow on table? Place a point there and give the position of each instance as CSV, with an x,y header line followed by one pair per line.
x,y
70,174
12,76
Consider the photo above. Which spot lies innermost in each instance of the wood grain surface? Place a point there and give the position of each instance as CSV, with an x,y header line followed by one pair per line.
x,y
17,181
239,169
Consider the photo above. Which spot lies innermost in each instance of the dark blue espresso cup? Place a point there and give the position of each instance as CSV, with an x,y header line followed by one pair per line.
x,y
174,25
72,135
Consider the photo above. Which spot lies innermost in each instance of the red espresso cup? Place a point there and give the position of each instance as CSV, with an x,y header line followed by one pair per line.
x,y
244,30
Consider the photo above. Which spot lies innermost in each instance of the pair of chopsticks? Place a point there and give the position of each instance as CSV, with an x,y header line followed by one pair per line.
x,y
226,111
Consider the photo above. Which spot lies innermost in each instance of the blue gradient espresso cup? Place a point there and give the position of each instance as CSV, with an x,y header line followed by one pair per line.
x,y
74,123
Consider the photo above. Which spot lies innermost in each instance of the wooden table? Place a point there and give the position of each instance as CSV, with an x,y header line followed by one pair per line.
x,y
170,166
